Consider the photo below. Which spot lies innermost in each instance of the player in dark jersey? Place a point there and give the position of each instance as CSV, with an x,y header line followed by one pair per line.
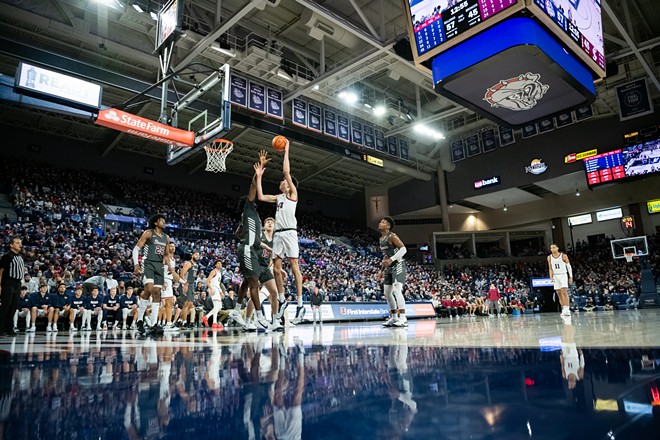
x,y
154,244
188,276
249,233
394,272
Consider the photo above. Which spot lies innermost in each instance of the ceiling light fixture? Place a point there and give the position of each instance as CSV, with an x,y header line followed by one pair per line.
x,y
428,131
153,15
577,191
379,110
227,51
348,97
137,7
504,208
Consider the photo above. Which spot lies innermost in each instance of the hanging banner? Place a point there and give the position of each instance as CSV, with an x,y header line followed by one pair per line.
x,y
299,112
472,145
507,137
342,129
257,97
546,125
145,128
634,100
356,132
457,150
529,131
380,140
238,90
369,140
403,149
392,146
314,116
489,140
330,126
275,105
584,113
564,119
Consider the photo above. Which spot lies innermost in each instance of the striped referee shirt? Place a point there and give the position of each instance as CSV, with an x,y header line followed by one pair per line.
x,y
13,266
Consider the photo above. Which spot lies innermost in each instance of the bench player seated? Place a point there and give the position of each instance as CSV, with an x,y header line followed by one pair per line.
x,y
94,307
111,304
60,304
129,307
76,308
41,308
23,309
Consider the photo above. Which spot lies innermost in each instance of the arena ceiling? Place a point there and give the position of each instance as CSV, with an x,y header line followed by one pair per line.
x,y
363,52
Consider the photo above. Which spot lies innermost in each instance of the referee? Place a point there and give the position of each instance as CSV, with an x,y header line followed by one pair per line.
x,y
11,274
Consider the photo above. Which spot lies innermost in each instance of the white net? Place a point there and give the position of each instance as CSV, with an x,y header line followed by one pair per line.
x,y
629,256
216,154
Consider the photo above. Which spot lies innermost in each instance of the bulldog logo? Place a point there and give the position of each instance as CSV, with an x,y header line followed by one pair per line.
x,y
519,93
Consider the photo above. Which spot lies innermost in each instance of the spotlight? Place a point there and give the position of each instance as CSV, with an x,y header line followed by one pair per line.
x,y
504,208
153,15
137,7
379,110
577,191
348,97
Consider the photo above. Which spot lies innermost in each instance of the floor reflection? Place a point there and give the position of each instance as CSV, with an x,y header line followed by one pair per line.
x,y
281,387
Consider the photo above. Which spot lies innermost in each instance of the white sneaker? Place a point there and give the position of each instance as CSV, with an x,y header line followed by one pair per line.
x,y
31,329
262,325
389,322
72,328
134,326
282,305
169,328
55,328
404,320
88,328
300,315
250,327
237,317
398,322
276,326
566,312
49,328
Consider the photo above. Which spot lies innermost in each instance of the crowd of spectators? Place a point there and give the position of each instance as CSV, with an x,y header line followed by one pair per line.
x,y
65,242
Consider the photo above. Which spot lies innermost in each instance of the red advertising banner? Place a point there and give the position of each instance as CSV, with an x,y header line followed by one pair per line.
x,y
143,127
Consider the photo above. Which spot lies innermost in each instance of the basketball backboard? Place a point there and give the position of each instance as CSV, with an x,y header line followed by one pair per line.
x,y
635,245
208,125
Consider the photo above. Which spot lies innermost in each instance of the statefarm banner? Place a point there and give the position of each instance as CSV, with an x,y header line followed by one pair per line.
x,y
143,127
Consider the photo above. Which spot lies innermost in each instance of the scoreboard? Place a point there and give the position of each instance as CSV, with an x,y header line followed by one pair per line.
x,y
605,167
434,22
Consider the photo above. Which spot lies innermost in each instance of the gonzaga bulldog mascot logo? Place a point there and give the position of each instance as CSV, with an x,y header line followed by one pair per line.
x,y
520,93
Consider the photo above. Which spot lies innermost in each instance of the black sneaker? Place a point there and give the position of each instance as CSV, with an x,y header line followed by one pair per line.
x,y
281,308
300,314
140,327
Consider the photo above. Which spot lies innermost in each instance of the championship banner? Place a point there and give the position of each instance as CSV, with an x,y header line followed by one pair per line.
x,y
584,113
489,140
403,149
457,150
380,140
314,115
530,130
145,128
507,136
257,97
330,126
564,119
472,145
342,127
275,105
546,125
238,91
369,140
392,146
634,100
299,112
356,132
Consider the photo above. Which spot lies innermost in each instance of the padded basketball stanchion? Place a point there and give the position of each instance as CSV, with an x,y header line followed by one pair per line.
x,y
648,296
216,155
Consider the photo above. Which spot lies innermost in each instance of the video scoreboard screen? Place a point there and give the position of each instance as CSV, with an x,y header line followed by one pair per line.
x,y
581,21
434,22
605,167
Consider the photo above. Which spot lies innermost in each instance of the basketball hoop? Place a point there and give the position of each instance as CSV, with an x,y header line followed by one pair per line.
x,y
216,154
629,256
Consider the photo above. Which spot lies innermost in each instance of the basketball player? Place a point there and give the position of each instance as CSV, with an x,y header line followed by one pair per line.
x,y
562,275
217,291
170,277
252,265
188,276
571,357
394,272
154,243
285,242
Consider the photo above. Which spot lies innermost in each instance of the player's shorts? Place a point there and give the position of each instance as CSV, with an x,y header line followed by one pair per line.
x,y
168,291
250,266
190,293
153,273
561,281
285,244
396,273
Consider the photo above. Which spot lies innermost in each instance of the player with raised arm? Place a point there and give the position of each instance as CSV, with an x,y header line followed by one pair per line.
x,y
285,242
561,273
153,244
394,272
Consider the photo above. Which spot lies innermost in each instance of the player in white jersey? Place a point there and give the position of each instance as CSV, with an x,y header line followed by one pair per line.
x,y
171,277
216,289
571,357
562,275
285,242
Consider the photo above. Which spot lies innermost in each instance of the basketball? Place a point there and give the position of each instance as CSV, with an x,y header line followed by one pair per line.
x,y
279,143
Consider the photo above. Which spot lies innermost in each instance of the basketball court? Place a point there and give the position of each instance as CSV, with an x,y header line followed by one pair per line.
x,y
421,110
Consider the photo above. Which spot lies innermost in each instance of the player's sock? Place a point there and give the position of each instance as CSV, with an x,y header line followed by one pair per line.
x,y
142,307
260,314
154,311
300,301
281,297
